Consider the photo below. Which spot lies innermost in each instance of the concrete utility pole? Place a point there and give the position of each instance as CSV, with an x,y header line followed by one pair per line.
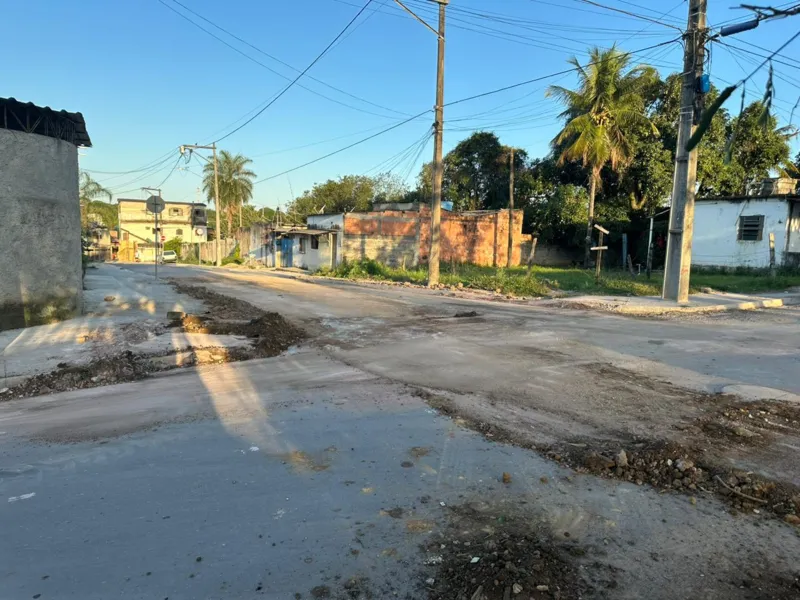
x,y
213,148
510,211
681,219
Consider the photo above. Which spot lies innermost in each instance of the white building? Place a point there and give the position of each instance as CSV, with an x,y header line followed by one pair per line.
x,y
735,231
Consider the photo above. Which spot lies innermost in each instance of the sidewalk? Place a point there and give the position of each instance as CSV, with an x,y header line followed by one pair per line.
x,y
122,311
698,303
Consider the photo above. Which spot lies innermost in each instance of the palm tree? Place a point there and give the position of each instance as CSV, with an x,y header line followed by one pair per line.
x,y
608,104
89,189
235,183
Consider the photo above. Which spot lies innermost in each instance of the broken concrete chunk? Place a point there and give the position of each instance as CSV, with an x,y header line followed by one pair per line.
x,y
621,459
175,315
682,464
516,588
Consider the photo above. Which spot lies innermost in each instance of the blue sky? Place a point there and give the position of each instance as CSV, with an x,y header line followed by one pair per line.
x,y
147,80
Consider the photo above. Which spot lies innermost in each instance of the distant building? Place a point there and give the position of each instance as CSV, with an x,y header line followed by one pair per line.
x,y
40,245
185,220
734,231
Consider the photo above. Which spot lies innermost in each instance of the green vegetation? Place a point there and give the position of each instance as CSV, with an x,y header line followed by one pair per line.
x,y
233,259
541,281
174,244
235,186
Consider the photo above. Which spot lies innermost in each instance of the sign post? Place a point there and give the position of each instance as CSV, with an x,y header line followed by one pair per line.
x,y
599,249
155,204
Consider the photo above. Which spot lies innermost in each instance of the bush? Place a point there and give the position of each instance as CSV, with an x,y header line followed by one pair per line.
x,y
175,245
234,258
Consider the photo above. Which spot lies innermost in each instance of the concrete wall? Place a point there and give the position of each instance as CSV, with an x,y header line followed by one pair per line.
x,y
40,218
400,238
390,237
716,224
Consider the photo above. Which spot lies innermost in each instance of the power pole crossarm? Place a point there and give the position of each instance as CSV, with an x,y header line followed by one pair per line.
x,y
681,219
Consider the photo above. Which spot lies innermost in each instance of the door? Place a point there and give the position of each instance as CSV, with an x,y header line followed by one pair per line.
x,y
794,229
286,251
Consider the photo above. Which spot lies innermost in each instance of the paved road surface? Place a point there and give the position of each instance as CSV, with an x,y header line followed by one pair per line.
x,y
268,478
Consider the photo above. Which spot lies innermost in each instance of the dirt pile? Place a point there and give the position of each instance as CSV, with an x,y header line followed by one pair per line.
x,y
669,466
269,332
494,554
120,368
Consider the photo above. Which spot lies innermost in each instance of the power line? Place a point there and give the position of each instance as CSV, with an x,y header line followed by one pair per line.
x,y
454,102
270,56
630,14
296,79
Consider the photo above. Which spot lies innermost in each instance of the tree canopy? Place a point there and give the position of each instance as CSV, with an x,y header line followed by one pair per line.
x,y
235,184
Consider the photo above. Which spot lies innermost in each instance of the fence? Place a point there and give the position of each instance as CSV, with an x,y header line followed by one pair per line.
x,y
207,250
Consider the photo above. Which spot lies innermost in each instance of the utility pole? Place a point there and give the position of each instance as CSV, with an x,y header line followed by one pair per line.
x,y
156,231
681,219
213,148
510,210
438,131
438,165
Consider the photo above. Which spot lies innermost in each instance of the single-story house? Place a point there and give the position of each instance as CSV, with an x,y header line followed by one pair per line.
x,y
734,231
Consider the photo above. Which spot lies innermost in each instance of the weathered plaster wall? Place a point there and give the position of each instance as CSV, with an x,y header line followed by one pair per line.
x,y
716,224
40,230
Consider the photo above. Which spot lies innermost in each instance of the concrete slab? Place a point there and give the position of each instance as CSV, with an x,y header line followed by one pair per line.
x,y
698,303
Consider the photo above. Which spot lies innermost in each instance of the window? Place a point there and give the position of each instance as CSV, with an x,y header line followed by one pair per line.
x,y
178,232
315,243
751,228
302,244
174,212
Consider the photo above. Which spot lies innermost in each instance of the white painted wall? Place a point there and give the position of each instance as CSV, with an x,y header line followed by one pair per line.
x,y
312,259
716,230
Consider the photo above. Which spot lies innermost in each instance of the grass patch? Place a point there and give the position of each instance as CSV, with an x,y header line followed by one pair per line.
x,y
541,281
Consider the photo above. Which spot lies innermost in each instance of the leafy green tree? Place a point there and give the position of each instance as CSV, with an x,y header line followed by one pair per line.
x,y
88,190
174,244
601,114
390,188
235,184
758,148
346,194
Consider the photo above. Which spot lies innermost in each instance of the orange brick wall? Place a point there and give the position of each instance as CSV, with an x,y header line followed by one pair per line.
x,y
465,238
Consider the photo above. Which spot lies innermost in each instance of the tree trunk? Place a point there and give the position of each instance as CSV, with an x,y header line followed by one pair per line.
x,y
590,220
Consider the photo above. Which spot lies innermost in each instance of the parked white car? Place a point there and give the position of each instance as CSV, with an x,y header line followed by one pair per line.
x,y
168,256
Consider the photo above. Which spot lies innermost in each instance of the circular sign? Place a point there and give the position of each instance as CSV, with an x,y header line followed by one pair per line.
x,y
155,204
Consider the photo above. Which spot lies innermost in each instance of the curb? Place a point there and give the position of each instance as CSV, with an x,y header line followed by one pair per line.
x,y
663,310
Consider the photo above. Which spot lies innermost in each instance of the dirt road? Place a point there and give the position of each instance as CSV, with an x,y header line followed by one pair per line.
x,y
326,473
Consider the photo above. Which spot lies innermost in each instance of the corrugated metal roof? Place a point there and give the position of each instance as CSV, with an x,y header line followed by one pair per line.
x,y
16,115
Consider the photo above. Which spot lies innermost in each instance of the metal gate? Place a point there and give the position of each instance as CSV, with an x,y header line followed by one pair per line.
x,y
286,252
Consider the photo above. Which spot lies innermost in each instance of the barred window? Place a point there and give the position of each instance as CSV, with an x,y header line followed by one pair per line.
x,y
751,228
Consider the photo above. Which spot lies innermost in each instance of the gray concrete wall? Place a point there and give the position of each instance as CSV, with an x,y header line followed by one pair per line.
x,y
40,230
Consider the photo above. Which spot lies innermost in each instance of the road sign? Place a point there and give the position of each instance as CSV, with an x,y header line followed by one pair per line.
x,y
599,248
163,238
155,204
596,226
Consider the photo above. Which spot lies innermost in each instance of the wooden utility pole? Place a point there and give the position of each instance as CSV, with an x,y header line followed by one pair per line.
x,y
510,211
681,219
213,148
438,165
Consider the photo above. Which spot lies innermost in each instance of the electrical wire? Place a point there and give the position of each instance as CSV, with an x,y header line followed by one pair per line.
x,y
270,56
296,79
454,102
630,14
